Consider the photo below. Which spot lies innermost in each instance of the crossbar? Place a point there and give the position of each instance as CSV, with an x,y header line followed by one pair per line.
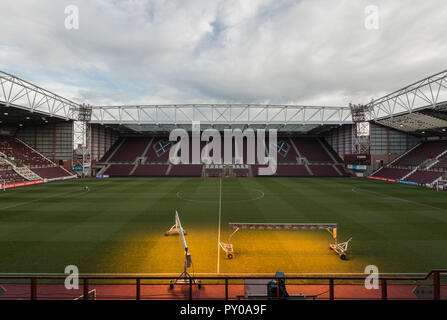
x,y
242,225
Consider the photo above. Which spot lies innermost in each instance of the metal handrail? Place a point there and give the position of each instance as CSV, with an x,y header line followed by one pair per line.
x,y
384,280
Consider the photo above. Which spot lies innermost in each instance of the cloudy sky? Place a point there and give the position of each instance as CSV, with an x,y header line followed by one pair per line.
x,y
319,52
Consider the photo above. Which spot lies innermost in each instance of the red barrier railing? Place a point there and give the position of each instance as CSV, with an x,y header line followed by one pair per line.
x,y
137,280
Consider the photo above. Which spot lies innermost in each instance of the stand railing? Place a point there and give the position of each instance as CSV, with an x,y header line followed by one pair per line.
x,y
331,281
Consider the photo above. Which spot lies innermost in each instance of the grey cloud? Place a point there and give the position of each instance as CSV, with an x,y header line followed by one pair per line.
x,y
307,51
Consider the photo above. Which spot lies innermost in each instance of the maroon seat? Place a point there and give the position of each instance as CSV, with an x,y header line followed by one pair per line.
x,y
119,169
424,177
150,170
323,171
288,157
442,164
111,150
15,149
425,151
188,170
285,171
312,150
10,176
392,173
130,150
158,151
51,172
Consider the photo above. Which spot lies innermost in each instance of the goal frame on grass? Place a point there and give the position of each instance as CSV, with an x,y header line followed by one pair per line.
x,y
340,248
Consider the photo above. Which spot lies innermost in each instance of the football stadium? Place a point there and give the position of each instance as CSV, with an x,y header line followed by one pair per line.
x,y
114,204
226,201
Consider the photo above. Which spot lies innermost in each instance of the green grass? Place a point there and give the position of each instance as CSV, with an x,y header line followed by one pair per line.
x,y
118,226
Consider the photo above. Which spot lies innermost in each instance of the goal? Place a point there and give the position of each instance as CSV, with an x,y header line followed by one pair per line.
x,y
340,248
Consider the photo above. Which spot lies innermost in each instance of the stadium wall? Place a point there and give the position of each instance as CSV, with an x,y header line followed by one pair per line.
x,y
101,140
385,143
55,141
340,139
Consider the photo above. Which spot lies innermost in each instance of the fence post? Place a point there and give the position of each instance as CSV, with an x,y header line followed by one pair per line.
x,y
277,288
331,289
85,287
33,289
436,286
226,288
138,289
384,290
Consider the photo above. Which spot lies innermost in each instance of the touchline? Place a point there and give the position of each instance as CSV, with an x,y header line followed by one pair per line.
x,y
212,151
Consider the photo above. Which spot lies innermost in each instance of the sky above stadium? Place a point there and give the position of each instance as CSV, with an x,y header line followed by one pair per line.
x,y
326,52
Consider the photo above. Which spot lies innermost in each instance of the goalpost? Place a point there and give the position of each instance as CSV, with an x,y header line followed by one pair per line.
x,y
340,248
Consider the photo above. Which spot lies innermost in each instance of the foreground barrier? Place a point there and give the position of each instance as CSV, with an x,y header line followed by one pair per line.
x,y
223,287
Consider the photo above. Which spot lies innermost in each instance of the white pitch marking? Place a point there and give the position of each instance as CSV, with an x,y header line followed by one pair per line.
x,y
218,231
356,190
36,200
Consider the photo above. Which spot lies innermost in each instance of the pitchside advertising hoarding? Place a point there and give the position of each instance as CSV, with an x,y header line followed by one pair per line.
x,y
395,181
356,167
30,183
21,184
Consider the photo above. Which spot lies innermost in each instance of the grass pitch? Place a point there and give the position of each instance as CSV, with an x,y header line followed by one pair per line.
x,y
118,226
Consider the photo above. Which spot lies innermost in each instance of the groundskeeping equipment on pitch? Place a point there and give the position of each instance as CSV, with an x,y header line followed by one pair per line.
x,y
185,277
341,248
228,247
175,229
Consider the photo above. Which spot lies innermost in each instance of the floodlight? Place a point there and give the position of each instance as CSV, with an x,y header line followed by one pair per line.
x,y
181,232
184,277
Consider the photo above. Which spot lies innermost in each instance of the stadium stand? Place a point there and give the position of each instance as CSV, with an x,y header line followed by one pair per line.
x,y
331,151
120,160
23,163
151,170
342,170
241,170
111,151
20,153
119,169
324,171
286,152
130,150
4,165
213,170
425,151
392,173
181,170
427,160
286,171
441,163
10,176
424,177
159,151
51,172
312,150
